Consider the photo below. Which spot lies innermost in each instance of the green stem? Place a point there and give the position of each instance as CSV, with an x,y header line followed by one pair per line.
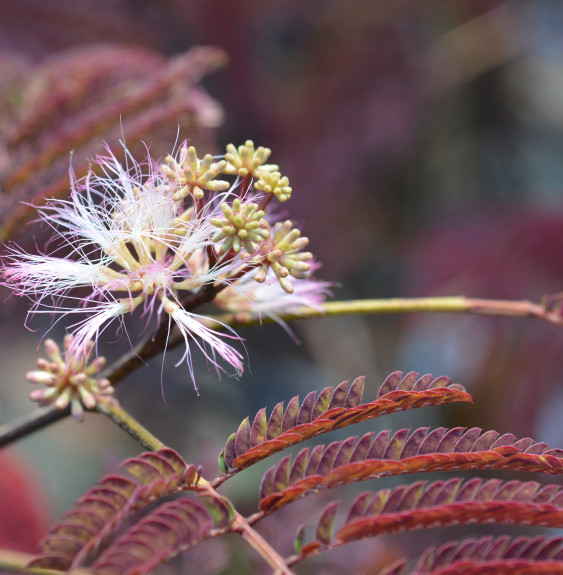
x,y
127,422
456,304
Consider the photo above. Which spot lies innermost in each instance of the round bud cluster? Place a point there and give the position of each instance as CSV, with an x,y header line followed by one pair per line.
x,y
274,183
246,160
190,175
244,226
285,257
68,380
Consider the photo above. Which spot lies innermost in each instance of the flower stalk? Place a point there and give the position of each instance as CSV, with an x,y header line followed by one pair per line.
x,y
128,423
451,304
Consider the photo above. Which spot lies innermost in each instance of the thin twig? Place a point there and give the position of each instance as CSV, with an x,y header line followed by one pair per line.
x,y
33,421
455,304
241,525
127,422
150,346
261,546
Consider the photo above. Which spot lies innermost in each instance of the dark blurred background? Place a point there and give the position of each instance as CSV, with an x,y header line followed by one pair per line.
x,y
424,144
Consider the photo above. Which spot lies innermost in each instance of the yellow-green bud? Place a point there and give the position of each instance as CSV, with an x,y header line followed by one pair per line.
x,y
274,183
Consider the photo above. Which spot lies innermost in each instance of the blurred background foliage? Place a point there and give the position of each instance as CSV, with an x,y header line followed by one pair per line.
x,y
424,144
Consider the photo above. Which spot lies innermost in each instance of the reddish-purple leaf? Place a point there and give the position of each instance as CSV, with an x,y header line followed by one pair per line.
x,y
162,534
377,455
378,502
360,506
290,416
486,440
281,477
327,459
229,453
495,502
391,383
102,509
355,393
498,567
450,440
306,409
345,450
494,555
314,459
468,439
220,509
413,442
443,503
113,498
173,459
334,409
419,384
145,470
338,396
323,402
299,539
395,446
379,444
299,467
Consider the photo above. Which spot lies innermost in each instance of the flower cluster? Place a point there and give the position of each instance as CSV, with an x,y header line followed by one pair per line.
x,y
164,238
68,380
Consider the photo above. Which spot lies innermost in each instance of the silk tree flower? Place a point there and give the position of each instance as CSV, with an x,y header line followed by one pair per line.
x,y
250,300
162,238
133,246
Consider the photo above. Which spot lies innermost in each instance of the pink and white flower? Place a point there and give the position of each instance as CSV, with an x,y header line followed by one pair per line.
x,y
145,237
133,246
249,299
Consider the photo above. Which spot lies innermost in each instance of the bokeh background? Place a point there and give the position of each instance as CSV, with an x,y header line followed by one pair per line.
x,y
424,144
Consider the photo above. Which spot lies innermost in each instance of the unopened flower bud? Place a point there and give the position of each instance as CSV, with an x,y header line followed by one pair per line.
x,y
52,350
68,380
38,376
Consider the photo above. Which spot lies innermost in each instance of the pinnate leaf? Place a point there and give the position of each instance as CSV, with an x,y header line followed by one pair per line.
x,y
380,454
497,555
103,508
455,502
170,529
334,408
